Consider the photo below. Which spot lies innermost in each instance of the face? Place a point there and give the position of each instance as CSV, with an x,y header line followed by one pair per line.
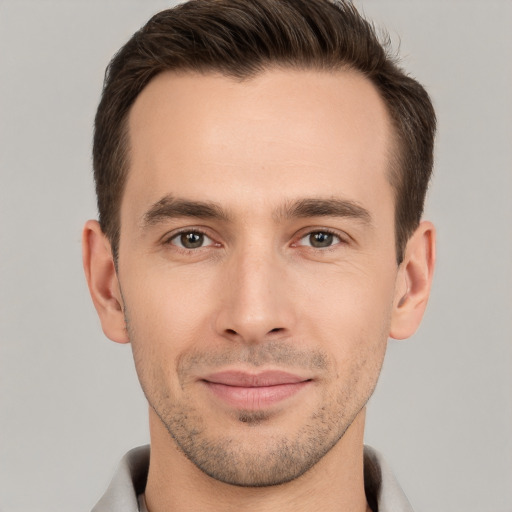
x,y
257,263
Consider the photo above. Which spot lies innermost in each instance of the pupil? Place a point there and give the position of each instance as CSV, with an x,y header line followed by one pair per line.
x,y
321,239
192,240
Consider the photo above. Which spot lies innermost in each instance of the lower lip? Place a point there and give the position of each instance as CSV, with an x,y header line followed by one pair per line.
x,y
254,398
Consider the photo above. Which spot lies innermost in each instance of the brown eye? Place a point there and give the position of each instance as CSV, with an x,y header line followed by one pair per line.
x,y
320,239
191,240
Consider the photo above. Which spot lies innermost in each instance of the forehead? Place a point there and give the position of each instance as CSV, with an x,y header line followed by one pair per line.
x,y
281,133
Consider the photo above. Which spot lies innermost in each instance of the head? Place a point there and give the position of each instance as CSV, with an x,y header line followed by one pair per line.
x,y
261,167
240,39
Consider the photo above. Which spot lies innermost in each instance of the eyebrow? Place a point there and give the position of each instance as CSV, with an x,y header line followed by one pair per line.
x,y
170,207
332,207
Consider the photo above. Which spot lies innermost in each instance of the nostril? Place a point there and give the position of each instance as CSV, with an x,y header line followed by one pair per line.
x,y
276,329
231,331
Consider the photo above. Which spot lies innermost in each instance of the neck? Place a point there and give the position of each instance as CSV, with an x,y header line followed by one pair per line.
x,y
334,484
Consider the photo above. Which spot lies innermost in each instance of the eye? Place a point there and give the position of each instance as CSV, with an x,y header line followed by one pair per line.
x,y
191,240
320,239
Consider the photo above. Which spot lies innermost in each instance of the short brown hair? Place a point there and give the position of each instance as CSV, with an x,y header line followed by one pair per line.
x,y
241,38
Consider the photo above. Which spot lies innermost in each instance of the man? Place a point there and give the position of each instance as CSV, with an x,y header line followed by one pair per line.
x,y
261,168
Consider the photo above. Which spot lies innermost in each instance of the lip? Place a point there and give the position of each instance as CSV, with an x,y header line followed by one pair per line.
x,y
249,391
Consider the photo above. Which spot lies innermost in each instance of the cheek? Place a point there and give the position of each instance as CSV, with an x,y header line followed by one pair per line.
x,y
167,316
350,314
350,302
169,307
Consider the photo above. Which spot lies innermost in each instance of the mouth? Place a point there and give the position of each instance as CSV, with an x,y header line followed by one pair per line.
x,y
249,391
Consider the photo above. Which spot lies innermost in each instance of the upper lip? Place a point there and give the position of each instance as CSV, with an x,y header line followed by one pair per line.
x,y
253,380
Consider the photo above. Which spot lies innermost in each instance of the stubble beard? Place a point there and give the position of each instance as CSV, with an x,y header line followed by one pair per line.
x,y
284,457
272,459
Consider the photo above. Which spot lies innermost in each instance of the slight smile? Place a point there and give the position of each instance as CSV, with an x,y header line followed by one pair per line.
x,y
254,391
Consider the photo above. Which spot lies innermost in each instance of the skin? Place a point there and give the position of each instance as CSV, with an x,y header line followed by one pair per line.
x,y
292,267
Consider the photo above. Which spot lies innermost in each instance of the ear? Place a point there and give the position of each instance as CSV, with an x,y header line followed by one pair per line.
x,y
414,281
103,284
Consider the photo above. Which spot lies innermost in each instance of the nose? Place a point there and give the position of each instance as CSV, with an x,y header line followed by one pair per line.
x,y
256,302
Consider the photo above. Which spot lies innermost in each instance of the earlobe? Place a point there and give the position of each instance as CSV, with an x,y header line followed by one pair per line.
x,y
102,280
414,281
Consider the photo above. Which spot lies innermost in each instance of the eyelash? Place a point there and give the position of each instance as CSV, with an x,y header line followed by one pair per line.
x,y
342,240
168,240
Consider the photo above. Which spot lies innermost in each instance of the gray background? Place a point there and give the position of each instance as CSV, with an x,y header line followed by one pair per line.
x,y
70,403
